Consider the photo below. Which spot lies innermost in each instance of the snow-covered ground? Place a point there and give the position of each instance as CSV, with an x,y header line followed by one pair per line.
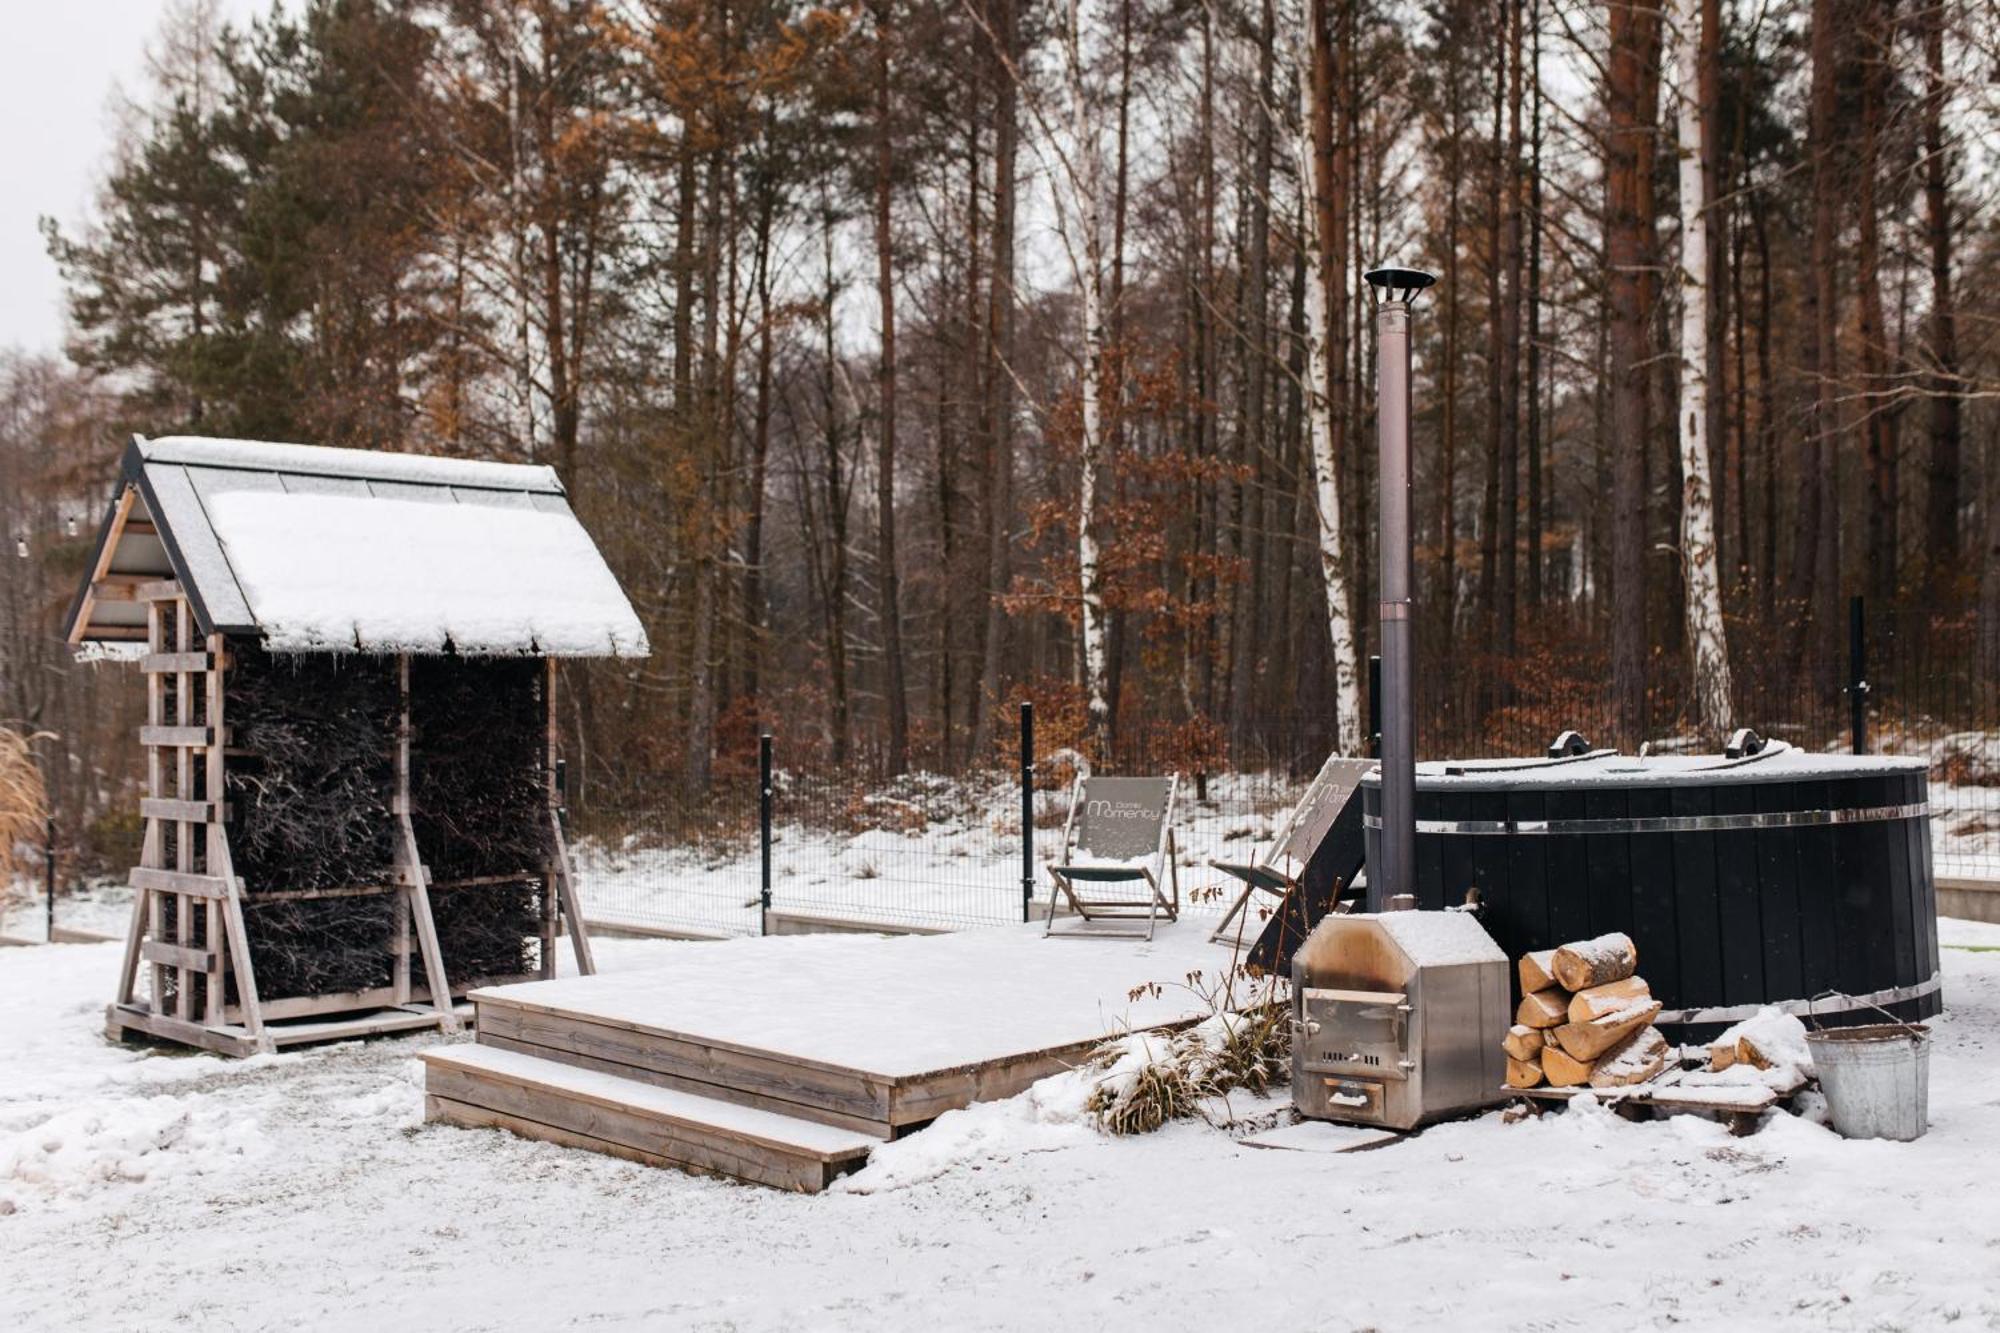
x,y
150,1190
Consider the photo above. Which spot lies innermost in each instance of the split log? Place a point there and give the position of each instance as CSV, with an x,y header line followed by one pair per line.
x,y
1523,1042
1638,1058
1562,1071
1597,962
1523,1073
1721,1055
1542,1009
1587,1041
1534,971
1586,1005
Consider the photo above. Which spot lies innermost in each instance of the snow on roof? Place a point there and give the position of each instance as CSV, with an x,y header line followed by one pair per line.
x,y
364,464
339,572
319,549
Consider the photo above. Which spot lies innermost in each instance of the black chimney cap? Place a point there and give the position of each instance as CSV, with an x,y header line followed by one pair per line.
x,y
1400,284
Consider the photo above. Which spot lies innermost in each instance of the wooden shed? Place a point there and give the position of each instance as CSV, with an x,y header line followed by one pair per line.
x,y
350,815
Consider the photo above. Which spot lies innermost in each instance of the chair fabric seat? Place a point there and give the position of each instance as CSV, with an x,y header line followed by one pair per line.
x,y
1101,874
1267,878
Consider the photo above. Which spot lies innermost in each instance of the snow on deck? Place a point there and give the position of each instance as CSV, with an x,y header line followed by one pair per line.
x,y
905,1006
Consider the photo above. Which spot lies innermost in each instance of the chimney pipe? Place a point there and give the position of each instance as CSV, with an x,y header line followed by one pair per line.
x,y
1395,292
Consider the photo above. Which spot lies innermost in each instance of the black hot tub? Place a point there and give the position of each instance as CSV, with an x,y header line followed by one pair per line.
x,y
1746,881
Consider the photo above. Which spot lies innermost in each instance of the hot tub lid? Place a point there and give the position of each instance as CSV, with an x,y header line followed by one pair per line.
x,y
1777,762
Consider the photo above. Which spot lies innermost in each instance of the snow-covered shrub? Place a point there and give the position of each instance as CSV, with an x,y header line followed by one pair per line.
x,y
1146,1079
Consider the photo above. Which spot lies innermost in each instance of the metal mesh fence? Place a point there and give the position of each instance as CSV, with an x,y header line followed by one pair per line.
x,y
943,851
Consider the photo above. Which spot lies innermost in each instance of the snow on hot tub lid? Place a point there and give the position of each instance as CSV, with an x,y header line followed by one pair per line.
x,y
1788,764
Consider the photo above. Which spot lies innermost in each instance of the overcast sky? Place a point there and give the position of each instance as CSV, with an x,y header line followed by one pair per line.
x,y
58,68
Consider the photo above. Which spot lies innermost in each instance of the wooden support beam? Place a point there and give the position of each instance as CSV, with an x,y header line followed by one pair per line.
x,y
410,864
174,955
572,910
193,738
169,663
146,879
158,590
173,808
121,519
120,633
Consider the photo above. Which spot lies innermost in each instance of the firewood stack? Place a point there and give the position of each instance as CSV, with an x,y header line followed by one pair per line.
x,y
1585,1019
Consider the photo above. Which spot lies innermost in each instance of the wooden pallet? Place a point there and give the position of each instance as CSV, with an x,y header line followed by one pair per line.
x,y
1743,1107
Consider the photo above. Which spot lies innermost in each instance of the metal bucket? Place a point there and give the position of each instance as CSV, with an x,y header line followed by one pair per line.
x,y
1877,1079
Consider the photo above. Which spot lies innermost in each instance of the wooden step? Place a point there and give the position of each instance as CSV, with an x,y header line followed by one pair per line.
x,y
842,1099
483,1086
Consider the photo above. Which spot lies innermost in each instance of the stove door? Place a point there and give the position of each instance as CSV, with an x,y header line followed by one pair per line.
x,y
1356,1032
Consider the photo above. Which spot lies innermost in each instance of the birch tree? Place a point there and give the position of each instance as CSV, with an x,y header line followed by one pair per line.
x,y
1319,247
1082,171
1706,638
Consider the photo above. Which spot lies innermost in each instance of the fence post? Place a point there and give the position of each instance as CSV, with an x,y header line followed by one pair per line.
x,y
764,834
1027,810
1857,674
49,872
1374,707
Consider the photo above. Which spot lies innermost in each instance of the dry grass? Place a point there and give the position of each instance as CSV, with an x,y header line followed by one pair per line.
x,y
1151,1079
23,802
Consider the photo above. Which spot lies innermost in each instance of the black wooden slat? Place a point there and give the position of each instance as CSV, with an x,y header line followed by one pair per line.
x,y
1527,866
1894,837
1456,851
1820,921
1489,874
1864,953
1568,870
1609,857
1739,907
1430,855
1777,872
1696,911
1655,923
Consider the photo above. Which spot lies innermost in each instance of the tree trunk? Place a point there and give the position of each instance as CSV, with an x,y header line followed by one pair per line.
x,y
1508,344
1815,560
1324,286
1703,598
896,700
1635,38
1084,174
1942,494
1877,411
998,482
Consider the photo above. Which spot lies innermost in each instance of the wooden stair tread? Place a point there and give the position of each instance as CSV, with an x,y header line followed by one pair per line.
x,y
683,1110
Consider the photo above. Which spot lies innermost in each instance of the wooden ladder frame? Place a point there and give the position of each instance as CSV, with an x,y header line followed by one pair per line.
x,y
181,893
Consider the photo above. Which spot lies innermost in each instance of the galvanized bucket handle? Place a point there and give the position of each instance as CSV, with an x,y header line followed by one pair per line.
x,y
1812,1016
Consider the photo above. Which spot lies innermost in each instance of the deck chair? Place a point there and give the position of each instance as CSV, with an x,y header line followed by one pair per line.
x,y
1297,840
1119,836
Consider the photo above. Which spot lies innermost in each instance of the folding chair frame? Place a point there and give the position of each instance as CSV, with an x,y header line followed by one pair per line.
x,y
1129,909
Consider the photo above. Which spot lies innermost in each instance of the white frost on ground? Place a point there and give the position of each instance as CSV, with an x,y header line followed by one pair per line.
x,y
302,1192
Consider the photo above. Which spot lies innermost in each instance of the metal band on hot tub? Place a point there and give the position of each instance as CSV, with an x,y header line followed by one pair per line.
x,y
1667,823
1833,1004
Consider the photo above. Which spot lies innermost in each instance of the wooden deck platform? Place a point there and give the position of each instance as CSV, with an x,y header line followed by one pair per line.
x,y
864,1037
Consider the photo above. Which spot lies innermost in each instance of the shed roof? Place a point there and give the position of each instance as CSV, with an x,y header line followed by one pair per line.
x,y
348,550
